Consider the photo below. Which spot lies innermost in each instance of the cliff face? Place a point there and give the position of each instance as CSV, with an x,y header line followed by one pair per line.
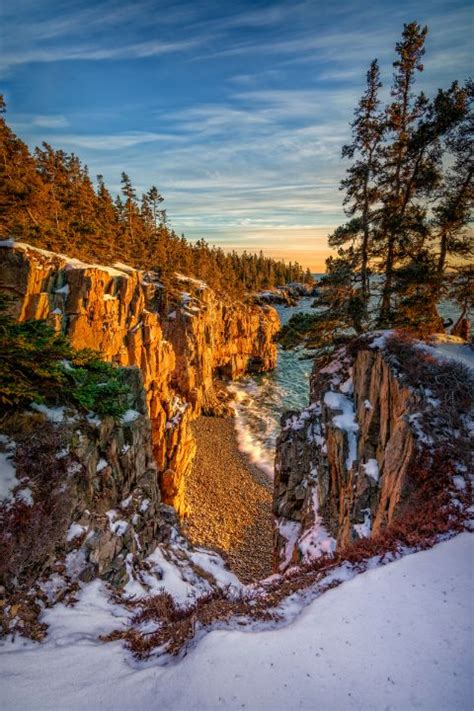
x,y
86,503
180,354
343,465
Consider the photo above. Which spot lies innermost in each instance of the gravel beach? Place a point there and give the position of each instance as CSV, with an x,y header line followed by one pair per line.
x,y
229,501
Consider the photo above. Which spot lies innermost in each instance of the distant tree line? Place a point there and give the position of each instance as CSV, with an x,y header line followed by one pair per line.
x,y
408,198
49,200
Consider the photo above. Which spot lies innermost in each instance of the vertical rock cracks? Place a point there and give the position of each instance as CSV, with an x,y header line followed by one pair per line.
x,y
181,354
344,465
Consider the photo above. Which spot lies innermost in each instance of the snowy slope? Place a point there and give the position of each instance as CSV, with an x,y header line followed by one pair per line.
x,y
397,637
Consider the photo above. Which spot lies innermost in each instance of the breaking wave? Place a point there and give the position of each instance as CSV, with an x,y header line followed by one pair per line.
x,y
261,400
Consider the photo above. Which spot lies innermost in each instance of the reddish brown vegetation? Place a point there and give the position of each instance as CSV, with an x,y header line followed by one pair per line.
x,y
29,535
428,514
450,382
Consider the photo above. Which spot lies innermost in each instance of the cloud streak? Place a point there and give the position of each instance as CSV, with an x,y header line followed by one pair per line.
x,y
236,111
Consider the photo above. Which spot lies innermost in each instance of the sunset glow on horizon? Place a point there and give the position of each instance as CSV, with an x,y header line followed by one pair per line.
x,y
236,111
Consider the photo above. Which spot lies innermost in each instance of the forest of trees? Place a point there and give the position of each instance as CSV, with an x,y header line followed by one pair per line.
x,y
48,200
408,199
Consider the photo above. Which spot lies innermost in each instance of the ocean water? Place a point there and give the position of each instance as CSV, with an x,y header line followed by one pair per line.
x,y
261,400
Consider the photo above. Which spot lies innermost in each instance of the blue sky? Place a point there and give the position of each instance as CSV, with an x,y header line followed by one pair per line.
x,y
237,110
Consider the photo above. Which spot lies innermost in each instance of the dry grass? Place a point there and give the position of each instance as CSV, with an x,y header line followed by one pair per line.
x,y
29,535
428,514
450,382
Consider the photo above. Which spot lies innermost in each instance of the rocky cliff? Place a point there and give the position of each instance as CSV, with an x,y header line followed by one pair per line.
x,y
345,466
83,502
182,350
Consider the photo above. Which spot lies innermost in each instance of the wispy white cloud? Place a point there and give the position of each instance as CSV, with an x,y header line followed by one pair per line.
x,y
50,121
111,142
237,111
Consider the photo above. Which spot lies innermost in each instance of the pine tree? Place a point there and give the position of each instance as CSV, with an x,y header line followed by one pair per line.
x,y
130,206
396,180
361,191
453,210
155,200
461,290
406,216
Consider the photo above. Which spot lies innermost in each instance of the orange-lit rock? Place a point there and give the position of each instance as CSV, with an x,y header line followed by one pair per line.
x,y
180,353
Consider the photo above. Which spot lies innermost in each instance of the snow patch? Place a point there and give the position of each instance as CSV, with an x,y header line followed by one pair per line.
x,y
346,421
371,468
8,480
101,464
74,531
290,531
53,414
398,636
130,416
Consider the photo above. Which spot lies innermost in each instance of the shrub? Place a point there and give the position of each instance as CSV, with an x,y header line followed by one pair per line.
x,y
37,364
31,354
294,332
96,385
451,382
29,535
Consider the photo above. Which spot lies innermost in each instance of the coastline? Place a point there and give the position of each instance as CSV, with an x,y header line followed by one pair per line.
x,y
229,501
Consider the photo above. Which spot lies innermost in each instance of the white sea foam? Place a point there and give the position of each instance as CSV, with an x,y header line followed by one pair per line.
x,y
260,401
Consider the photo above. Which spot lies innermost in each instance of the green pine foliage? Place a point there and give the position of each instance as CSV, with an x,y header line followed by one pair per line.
x,y
49,200
38,365
408,196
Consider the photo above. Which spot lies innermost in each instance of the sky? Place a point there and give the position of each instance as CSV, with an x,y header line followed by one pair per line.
x,y
237,110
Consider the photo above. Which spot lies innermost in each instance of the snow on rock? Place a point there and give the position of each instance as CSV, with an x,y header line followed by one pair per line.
x,y
25,495
74,531
363,529
316,541
145,505
334,367
397,636
53,414
124,268
184,571
101,465
8,480
116,525
371,468
197,282
380,339
212,563
290,531
347,387
346,421
75,563
130,416
459,482
449,350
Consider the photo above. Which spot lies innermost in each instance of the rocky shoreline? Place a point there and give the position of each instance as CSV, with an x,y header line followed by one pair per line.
x,y
228,501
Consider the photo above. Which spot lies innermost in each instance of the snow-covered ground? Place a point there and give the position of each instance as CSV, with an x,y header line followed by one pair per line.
x,y
452,348
396,637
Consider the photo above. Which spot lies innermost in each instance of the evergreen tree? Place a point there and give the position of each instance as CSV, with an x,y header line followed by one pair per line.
x,y
408,207
461,290
48,199
453,210
396,180
155,200
361,191
130,206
